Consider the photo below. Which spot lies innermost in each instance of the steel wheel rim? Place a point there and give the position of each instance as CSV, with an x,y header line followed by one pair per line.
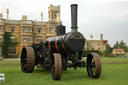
x,y
23,60
56,68
93,65
27,60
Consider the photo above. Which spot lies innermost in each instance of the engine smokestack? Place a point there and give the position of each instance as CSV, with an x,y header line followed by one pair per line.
x,y
74,17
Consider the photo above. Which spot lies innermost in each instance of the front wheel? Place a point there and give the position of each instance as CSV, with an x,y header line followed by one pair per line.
x,y
93,65
56,69
27,60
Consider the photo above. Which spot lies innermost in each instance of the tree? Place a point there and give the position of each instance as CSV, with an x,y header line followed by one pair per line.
x,y
116,45
123,46
108,50
7,42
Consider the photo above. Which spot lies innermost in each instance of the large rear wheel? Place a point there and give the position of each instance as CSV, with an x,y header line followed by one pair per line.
x,y
93,65
57,67
27,60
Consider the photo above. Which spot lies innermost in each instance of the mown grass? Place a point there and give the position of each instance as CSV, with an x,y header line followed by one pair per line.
x,y
112,74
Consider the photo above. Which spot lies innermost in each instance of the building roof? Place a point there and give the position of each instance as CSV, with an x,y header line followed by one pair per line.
x,y
105,41
119,50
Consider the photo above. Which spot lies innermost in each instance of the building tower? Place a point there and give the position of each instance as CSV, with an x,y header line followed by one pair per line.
x,y
54,13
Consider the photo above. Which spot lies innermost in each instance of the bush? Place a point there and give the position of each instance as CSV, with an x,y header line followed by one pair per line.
x,y
86,52
109,55
12,56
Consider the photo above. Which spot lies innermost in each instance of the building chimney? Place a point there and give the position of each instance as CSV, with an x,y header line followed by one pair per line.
x,y
7,12
24,17
1,15
101,36
41,17
91,36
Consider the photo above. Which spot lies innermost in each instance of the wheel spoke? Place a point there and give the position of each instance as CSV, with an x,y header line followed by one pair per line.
x,y
24,66
93,64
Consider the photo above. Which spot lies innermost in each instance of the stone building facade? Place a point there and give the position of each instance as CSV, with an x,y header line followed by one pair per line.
x,y
96,44
27,31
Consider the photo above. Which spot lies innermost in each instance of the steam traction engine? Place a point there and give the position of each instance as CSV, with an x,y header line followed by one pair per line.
x,y
60,52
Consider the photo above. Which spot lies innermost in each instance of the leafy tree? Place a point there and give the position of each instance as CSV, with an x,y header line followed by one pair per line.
x,y
116,45
123,46
7,42
108,50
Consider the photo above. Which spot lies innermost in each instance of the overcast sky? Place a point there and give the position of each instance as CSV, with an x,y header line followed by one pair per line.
x,y
109,17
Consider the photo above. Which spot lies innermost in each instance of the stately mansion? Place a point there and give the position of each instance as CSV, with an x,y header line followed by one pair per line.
x,y
96,44
27,31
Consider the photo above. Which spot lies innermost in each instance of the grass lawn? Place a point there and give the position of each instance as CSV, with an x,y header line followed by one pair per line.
x,y
112,74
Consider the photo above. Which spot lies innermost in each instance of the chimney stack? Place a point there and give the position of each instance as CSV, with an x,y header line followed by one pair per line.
x,y
41,17
101,36
7,12
91,36
24,17
74,17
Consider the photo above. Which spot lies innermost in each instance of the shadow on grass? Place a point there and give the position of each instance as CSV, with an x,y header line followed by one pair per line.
x,y
68,75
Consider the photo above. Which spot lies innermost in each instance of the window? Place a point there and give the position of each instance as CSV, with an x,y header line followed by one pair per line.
x,y
1,28
92,48
54,16
48,37
12,50
50,30
12,29
1,38
26,22
26,39
39,30
87,48
99,43
26,29
13,38
87,43
98,48
38,39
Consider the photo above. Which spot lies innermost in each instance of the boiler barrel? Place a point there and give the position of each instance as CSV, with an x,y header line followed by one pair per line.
x,y
56,44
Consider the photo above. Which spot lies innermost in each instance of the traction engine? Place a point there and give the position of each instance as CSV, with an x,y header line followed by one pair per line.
x,y
61,52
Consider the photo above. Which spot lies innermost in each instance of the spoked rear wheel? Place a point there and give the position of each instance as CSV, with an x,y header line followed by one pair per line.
x,y
57,67
93,65
27,60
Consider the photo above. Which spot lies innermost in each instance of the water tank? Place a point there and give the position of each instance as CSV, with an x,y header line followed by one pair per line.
x,y
60,30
